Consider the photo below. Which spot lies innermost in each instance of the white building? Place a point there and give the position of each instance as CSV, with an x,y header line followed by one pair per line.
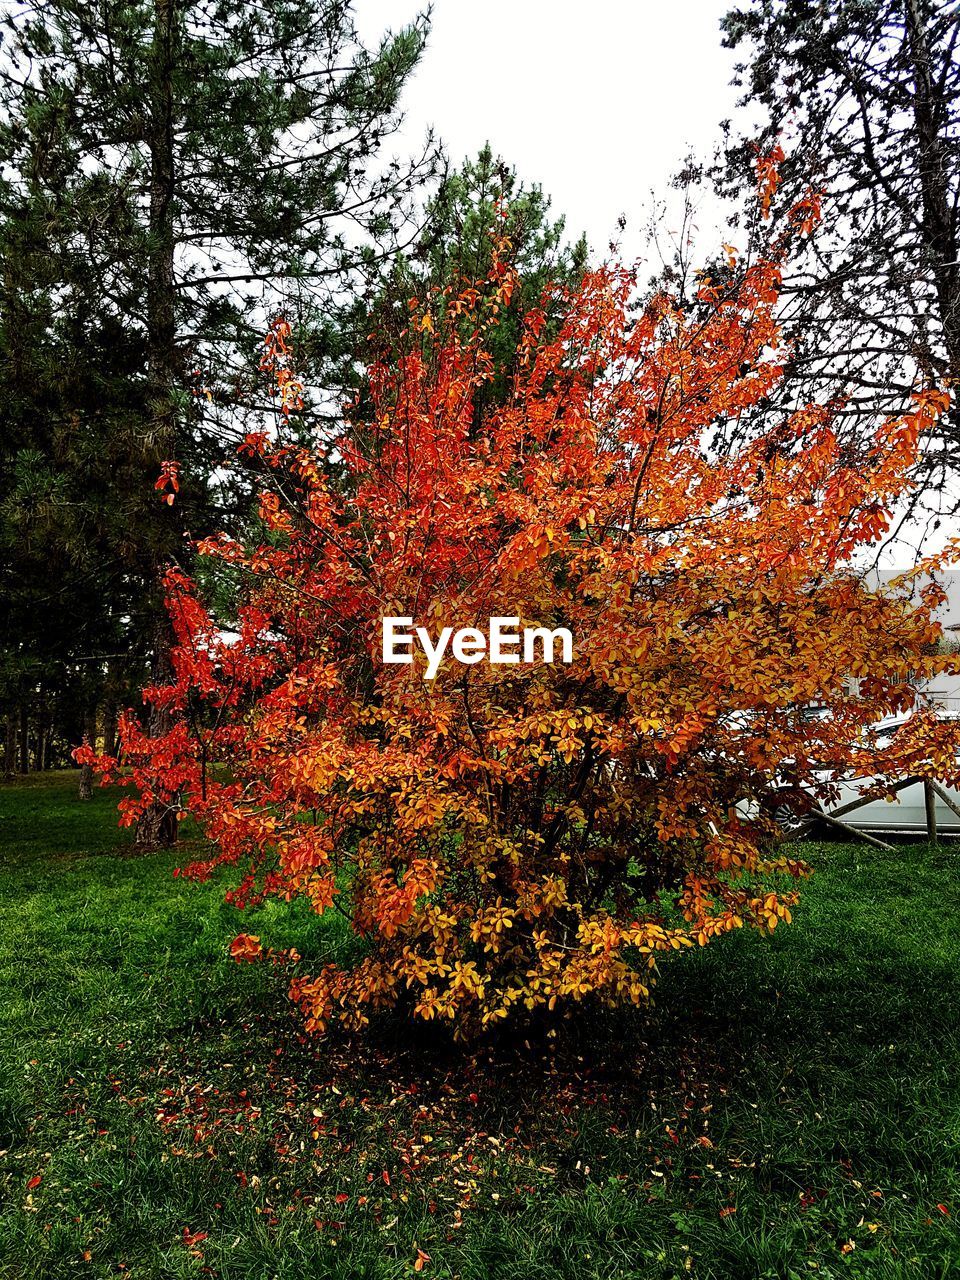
x,y
944,692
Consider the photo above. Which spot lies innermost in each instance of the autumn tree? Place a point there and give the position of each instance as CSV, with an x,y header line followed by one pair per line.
x,y
514,837
169,167
865,101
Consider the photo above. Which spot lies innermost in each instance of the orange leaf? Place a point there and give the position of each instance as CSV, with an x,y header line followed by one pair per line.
x,y
246,946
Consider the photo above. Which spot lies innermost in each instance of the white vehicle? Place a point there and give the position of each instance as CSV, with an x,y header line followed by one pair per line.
x,y
796,811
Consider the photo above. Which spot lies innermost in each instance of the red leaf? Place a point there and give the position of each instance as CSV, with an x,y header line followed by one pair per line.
x,y
245,946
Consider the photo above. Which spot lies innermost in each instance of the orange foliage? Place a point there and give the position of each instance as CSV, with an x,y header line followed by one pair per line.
x,y
521,837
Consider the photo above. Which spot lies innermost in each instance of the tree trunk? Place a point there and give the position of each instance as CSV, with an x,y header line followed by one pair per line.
x,y
44,727
158,826
110,712
10,747
85,789
930,807
938,212
24,738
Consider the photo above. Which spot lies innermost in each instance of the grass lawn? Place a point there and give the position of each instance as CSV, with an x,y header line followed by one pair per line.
x,y
790,1108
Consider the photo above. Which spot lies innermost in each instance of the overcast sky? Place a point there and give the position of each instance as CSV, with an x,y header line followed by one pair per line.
x,y
599,102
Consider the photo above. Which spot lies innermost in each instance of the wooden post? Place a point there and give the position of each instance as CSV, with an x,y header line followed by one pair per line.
x,y
930,805
939,792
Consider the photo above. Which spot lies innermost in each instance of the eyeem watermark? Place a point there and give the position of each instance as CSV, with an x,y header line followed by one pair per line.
x,y
505,643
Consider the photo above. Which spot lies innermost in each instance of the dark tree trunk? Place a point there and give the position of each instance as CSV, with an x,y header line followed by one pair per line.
x,y
110,730
938,213
44,729
110,713
158,824
10,747
24,739
85,789
161,285
157,828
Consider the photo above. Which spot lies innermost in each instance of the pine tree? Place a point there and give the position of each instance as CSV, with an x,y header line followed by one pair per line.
x,y
175,169
477,207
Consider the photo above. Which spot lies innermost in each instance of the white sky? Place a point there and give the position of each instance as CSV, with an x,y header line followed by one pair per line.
x,y
597,102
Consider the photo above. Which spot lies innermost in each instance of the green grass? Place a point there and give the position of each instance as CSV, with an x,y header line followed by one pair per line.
x,y
788,1097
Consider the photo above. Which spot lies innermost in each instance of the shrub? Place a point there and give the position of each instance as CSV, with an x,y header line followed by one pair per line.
x,y
519,837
